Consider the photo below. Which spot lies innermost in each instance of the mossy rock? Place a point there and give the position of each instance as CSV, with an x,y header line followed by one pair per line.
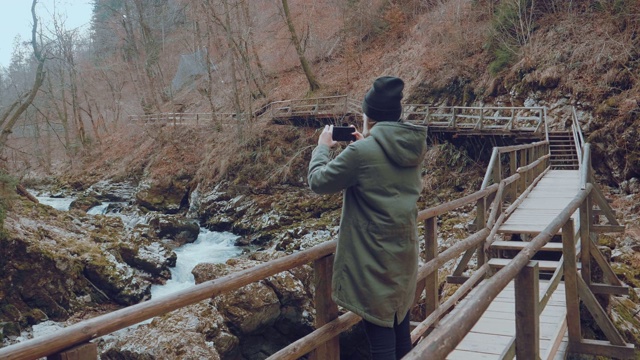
x,y
167,198
84,203
9,329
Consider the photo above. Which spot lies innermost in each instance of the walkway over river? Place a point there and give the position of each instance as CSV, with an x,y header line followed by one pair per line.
x,y
538,216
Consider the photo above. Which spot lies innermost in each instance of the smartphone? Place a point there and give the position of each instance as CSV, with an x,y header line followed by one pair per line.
x,y
343,133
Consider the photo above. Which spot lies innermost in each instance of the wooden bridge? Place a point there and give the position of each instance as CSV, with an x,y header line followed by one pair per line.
x,y
538,215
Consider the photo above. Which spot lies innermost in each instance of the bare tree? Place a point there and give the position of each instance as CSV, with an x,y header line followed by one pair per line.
x,y
9,118
313,83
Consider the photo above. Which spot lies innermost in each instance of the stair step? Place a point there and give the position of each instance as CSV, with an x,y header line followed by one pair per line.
x,y
519,245
543,265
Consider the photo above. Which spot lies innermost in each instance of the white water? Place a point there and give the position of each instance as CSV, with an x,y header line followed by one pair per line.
x,y
56,203
210,247
99,210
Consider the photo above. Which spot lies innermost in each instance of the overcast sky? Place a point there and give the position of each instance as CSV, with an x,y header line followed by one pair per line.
x,y
15,19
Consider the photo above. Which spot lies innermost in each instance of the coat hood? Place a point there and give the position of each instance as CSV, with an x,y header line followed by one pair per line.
x,y
403,143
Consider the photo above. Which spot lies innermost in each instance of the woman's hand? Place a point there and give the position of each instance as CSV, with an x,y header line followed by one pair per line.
x,y
326,137
357,134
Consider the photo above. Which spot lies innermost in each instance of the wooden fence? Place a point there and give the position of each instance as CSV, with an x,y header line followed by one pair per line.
x,y
495,119
444,118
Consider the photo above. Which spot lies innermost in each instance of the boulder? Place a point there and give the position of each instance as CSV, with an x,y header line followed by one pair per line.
x,y
178,229
84,203
193,332
168,197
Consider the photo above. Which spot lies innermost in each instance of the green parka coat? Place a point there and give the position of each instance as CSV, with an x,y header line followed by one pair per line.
x,y
376,262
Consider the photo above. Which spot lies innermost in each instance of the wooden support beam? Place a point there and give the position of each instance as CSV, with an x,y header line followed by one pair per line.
x,y
86,351
457,279
599,314
602,202
570,282
607,271
326,309
601,229
464,261
527,319
609,289
602,348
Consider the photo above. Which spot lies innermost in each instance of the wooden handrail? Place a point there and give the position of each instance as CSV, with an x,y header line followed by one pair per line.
x,y
120,319
446,207
446,337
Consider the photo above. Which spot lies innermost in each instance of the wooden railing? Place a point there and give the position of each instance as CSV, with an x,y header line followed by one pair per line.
x,y
577,134
579,286
507,119
452,118
333,105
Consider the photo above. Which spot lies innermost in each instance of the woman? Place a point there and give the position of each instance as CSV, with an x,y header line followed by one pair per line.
x,y
376,260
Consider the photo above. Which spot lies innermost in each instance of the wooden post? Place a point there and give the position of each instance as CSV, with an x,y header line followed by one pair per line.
x,y
86,351
497,170
571,282
326,309
585,239
453,117
431,251
527,319
481,219
522,182
513,167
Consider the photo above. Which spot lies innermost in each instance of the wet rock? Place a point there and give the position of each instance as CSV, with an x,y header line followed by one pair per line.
x,y
193,332
84,203
106,190
168,198
150,256
118,281
178,229
631,186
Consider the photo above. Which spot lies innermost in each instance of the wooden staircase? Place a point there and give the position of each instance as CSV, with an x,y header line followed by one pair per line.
x,y
562,148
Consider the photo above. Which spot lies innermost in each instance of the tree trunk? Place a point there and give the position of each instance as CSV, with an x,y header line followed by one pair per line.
x,y
12,118
313,83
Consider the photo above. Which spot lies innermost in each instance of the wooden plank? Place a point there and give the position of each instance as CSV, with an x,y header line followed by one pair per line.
x,y
552,350
544,265
485,343
466,355
519,245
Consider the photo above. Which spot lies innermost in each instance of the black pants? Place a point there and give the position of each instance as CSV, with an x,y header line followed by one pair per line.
x,y
389,343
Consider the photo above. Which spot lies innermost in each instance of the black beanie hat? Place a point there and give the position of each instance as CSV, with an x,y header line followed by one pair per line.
x,y
382,102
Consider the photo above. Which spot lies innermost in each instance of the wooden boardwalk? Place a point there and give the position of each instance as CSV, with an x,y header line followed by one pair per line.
x,y
493,335
547,199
